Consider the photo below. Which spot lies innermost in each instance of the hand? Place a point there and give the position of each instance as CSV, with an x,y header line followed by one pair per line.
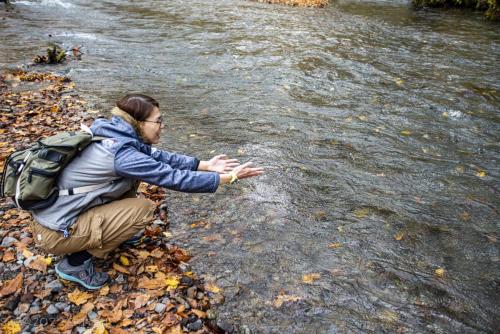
x,y
245,171
221,164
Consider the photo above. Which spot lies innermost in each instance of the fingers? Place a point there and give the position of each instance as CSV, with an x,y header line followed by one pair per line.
x,y
221,156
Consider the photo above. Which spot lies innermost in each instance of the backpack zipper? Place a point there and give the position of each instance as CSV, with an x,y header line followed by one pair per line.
x,y
38,171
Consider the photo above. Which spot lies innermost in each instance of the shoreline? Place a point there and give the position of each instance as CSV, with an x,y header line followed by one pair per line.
x,y
153,287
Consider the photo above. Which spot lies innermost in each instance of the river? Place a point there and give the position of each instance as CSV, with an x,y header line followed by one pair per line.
x,y
378,127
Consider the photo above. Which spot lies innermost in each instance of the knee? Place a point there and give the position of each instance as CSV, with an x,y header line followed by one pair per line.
x,y
145,209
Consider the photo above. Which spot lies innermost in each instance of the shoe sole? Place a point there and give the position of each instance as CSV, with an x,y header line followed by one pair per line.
x,y
76,280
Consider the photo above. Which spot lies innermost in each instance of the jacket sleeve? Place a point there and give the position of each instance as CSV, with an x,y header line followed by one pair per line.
x,y
174,160
132,163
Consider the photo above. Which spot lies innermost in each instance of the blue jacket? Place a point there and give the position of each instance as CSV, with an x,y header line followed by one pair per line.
x,y
117,162
139,161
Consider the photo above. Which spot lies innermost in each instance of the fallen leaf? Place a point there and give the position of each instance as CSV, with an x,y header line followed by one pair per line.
x,y
310,278
121,269
174,330
140,301
405,132
439,272
200,314
38,264
481,173
399,236
78,297
104,291
465,216
12,285
283,299
11,327
124,260
99,328
335,245
147,283
212,288
151,269
82,315
172,282
8,256
361,212
26,253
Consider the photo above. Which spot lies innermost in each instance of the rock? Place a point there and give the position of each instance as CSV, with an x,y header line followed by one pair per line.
x,y
55,286
200,295
165,300
245,330
52,309
8,241
187,281
34,309
191,292
92,315
27,298
211,314
225,326
120,279
194,326
183,266
61,306
160,308
158,222
80,329
51,271
12,303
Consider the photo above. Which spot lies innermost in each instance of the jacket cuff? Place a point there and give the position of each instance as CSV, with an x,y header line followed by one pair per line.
x,y
196,163
216,183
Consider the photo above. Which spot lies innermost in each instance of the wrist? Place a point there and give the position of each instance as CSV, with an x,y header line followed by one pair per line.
x,y
203,165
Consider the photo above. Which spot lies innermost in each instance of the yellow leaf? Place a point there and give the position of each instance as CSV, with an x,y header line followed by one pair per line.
x,y
481,173
399,236
78,297
172,282
335,245
27,253
460,169
361,212
11,327
283,299
212,288
445,114
174,330
439,272
47,260
310,278
124,260
54,108
99,328
405,132
151,269
399,82
104,291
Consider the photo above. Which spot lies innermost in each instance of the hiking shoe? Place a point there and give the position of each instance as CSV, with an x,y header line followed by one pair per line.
x,y
84,274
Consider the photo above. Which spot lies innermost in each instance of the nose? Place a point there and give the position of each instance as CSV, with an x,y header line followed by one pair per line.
x,y
162,126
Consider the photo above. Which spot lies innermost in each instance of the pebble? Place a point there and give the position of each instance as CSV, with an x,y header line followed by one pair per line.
x,y
200,295
225,326
34,309
120,279
194,326
165,300
191,292
12,303
51,271
211,314
54,285
183,266
92,315
8,241
61,306
52,309
187,281
245,330
80,329
160,308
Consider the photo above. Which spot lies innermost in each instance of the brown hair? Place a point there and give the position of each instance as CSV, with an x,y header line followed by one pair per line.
x,y
139,106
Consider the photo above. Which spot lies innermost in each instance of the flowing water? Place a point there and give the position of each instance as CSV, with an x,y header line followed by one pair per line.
x,y
378,127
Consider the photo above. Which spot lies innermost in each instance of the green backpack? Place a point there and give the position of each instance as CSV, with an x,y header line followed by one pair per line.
x,y
30,175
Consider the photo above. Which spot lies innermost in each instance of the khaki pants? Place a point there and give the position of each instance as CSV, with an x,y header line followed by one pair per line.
x,y
98,230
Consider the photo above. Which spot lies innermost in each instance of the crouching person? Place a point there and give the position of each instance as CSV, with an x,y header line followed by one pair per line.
x,y
97,209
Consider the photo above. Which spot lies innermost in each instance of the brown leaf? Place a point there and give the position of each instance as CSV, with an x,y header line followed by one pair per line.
x,y
116,330
157,253
140,301
121,269
82,315
200,314
78,297
171,319
12,285
38,264
174,330
156,283
8,256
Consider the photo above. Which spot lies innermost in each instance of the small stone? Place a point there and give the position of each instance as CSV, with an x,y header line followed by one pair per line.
x,y
211,314
55,286
158,222
34,309
225,326
160,308
194,326
187,281
245,330
120,279
20,261
183,266
12,303
92,315
51,271
52,309
61,306
8,241
191,292
165,300
200,295
80,330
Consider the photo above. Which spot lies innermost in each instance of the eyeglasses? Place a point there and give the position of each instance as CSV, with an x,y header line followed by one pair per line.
x,y
159,121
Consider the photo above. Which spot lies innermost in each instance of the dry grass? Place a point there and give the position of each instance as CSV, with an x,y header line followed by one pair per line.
x,y
298,3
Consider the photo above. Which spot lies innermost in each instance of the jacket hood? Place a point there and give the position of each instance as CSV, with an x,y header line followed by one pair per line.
x,y
116,127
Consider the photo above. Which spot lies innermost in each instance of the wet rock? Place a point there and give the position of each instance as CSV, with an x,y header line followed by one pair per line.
x,y
55,286
8,241
12,303
52,309
187,281
191,292
160,308
225,326
194,326
92,315
61,306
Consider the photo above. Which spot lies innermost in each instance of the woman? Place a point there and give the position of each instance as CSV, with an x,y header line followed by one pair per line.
x,y
100,210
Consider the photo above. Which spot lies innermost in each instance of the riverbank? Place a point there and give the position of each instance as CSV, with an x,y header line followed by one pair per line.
x,y
152,287
490,7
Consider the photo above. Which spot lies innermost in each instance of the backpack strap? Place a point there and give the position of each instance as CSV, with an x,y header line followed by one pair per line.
x,y
82,190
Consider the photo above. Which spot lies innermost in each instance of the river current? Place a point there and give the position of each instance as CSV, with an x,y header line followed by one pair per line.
x,y
378,127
